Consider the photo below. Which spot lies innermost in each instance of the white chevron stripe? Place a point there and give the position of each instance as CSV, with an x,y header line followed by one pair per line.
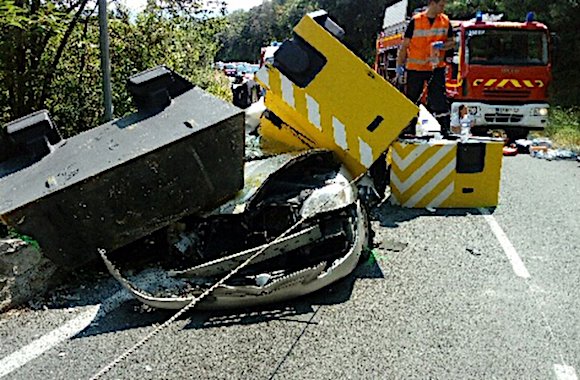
x,y
395,181
287,91
421,171
313,111
264,76
339,133
404,163
366,153
429,186
445,194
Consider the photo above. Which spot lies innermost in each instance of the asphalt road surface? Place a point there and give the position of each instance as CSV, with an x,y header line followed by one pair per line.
x,y
450,294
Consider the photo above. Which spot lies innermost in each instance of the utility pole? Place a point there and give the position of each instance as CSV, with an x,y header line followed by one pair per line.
x,y
105,62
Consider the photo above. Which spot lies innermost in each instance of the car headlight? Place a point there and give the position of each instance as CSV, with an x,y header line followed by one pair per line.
x,y
337,194
540,111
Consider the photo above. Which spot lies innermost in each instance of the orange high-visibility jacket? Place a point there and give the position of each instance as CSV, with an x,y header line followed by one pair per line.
x,y
419,56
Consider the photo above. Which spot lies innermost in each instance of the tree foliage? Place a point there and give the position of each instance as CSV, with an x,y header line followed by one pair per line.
x,y
50,57
362,21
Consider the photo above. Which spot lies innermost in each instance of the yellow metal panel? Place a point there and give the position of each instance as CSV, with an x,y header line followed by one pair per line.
x,y
280,139
425,175
336,107
485,185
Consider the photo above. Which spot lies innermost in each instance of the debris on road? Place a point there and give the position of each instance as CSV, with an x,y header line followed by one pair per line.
x,y
510,150
523,145
555,154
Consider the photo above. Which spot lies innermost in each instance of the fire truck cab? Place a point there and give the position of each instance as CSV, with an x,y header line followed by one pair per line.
x,y
501,70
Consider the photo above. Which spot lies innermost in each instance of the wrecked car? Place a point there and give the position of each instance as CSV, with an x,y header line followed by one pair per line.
x,y
297,227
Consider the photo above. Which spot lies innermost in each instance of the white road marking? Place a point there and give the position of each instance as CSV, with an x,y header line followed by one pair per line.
x,y
565,372
515,260
73,327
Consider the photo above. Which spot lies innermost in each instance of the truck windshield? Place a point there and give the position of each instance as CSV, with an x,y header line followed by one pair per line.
x,y
507,47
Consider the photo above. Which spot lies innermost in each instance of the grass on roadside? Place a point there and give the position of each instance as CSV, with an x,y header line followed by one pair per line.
x,y
564,127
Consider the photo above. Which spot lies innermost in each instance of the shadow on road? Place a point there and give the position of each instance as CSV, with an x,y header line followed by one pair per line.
x,y
391,216
336,293
133,315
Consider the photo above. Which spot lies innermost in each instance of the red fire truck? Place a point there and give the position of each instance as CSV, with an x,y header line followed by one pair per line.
x,y
500,70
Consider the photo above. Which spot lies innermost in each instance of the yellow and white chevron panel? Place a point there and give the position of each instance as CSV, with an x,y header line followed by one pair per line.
x,y
426,174
347,107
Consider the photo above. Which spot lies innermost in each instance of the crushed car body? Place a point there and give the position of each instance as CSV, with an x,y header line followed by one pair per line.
x,y
303,223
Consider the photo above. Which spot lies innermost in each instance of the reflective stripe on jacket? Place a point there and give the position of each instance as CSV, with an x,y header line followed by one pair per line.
x,y
419,55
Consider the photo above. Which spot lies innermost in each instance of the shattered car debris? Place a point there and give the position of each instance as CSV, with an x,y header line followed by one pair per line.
x,y
310,191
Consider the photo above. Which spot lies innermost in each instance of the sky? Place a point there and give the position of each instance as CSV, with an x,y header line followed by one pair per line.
x,y
137,5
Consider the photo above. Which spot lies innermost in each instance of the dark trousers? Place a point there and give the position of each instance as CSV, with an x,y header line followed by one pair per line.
x,y
437,102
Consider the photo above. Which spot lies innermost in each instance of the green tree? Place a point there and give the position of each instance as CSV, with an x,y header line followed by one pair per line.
x,y
49,55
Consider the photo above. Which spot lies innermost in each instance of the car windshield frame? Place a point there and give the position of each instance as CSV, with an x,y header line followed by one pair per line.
x,y
509,47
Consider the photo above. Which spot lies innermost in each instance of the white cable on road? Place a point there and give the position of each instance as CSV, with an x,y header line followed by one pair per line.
x,y
515,260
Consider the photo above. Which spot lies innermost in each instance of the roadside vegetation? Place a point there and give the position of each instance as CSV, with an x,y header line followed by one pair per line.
x,y
50,57
564,127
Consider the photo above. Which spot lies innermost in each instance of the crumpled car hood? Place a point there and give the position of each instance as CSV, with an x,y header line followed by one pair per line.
x,y
310,192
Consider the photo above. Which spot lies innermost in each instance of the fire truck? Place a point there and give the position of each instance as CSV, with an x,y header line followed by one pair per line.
x,y
500,70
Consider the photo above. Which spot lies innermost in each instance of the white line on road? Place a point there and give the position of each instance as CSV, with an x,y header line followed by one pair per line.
x,y
515,260
565,372
33,350
46,342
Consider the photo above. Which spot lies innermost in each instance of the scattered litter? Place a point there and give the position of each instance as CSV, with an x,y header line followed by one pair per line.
x,y
61,354
553,154
473,252
148,368
542,142
523,145
431,209
510,150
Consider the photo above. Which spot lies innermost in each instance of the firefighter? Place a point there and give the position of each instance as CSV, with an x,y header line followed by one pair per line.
x,y
422,55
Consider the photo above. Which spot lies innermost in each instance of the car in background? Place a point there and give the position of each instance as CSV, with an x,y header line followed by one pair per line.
x,y
230,69
247,70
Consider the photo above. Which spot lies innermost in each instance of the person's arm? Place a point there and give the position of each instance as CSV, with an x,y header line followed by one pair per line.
x,y
402,56
450,43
